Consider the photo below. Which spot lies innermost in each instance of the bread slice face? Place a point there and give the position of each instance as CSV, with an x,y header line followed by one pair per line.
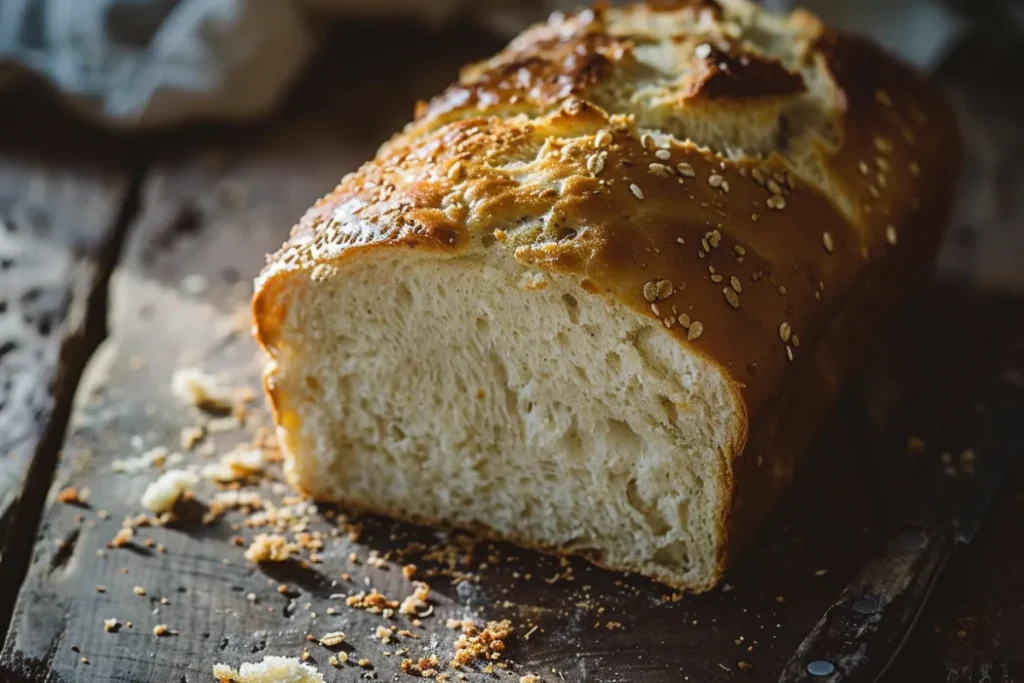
x,y
554,307
473,391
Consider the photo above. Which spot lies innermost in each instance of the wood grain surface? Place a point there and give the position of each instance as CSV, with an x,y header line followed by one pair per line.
x,y
60,203
211,204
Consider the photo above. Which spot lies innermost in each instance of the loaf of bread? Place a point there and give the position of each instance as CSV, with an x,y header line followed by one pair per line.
x,y
598,296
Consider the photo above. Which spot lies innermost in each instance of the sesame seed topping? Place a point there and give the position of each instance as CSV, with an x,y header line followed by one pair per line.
x,y
774,187
704,243
789,353
715,180
663,154
694,330
874,192
732,297
655,310
883,145
890,234
646,141
680,240
862,166
658,169
882,163
880,179
776,202
725,186
795,340
650,292
782,290
785,331
754,217
915,170
595,163
826,239
685,169
758,176
684,320
735,282
883,98
602,139
740,251
716,277
715,236
664,289
637,192
702,51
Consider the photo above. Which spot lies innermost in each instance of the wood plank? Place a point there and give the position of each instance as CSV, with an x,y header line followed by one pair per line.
x,y
210,209
62,190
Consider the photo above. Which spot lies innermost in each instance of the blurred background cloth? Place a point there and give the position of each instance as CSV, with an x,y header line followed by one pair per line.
x,y
156,63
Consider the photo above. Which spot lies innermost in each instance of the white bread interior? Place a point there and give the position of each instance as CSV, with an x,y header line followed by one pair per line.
x,y
473,391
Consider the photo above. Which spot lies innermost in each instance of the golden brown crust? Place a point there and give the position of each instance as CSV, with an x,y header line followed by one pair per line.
x,y
587,149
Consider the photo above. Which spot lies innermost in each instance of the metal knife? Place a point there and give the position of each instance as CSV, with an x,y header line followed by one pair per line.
x,y
862,633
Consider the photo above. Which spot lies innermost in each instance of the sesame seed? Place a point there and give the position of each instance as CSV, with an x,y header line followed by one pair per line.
x,y
702,51
694,330
890,234
602,139
795,340
784,331
664,289
704,243
595,163
874,192
715,236
740,251
774,187
758,176
716,278
826,239
782,290
754,217
725,186
637,192
680,240
776,202
715,180
862,166
789,353
882,163
732,297
880,179
735,282
684,319
650,292
685,169
658,169
646,141
663,154
883,145
915,170
883,98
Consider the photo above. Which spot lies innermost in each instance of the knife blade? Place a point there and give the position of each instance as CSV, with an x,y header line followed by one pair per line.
x,y
860,635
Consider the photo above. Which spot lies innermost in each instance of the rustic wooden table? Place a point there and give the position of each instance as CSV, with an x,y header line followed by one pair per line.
x,y
123,258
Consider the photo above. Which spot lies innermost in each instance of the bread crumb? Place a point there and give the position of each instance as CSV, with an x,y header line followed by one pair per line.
x,y
194,387
270,548
480,645
408,571
417,601
69,495
161,495
372,602
161,630
190,436
530,678
111,625
332,639
139,590
270,670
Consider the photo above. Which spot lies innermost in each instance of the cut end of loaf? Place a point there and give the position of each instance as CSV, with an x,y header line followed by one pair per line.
x,y
467,391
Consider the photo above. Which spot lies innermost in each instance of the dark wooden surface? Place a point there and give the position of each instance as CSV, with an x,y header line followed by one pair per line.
x,y
210,204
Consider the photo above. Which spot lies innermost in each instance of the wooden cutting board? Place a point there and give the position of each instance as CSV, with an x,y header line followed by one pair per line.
x,y
210,204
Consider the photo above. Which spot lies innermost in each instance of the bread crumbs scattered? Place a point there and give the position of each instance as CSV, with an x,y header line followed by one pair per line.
x,y
111,625
161,630
529,678
190,436
270,670
270,548
139,590
69,495
409,571
417,601
743,666
480,645
365,663
372,602
194,387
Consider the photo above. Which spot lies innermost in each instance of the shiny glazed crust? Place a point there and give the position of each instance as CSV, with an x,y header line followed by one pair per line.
x,y
764,187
